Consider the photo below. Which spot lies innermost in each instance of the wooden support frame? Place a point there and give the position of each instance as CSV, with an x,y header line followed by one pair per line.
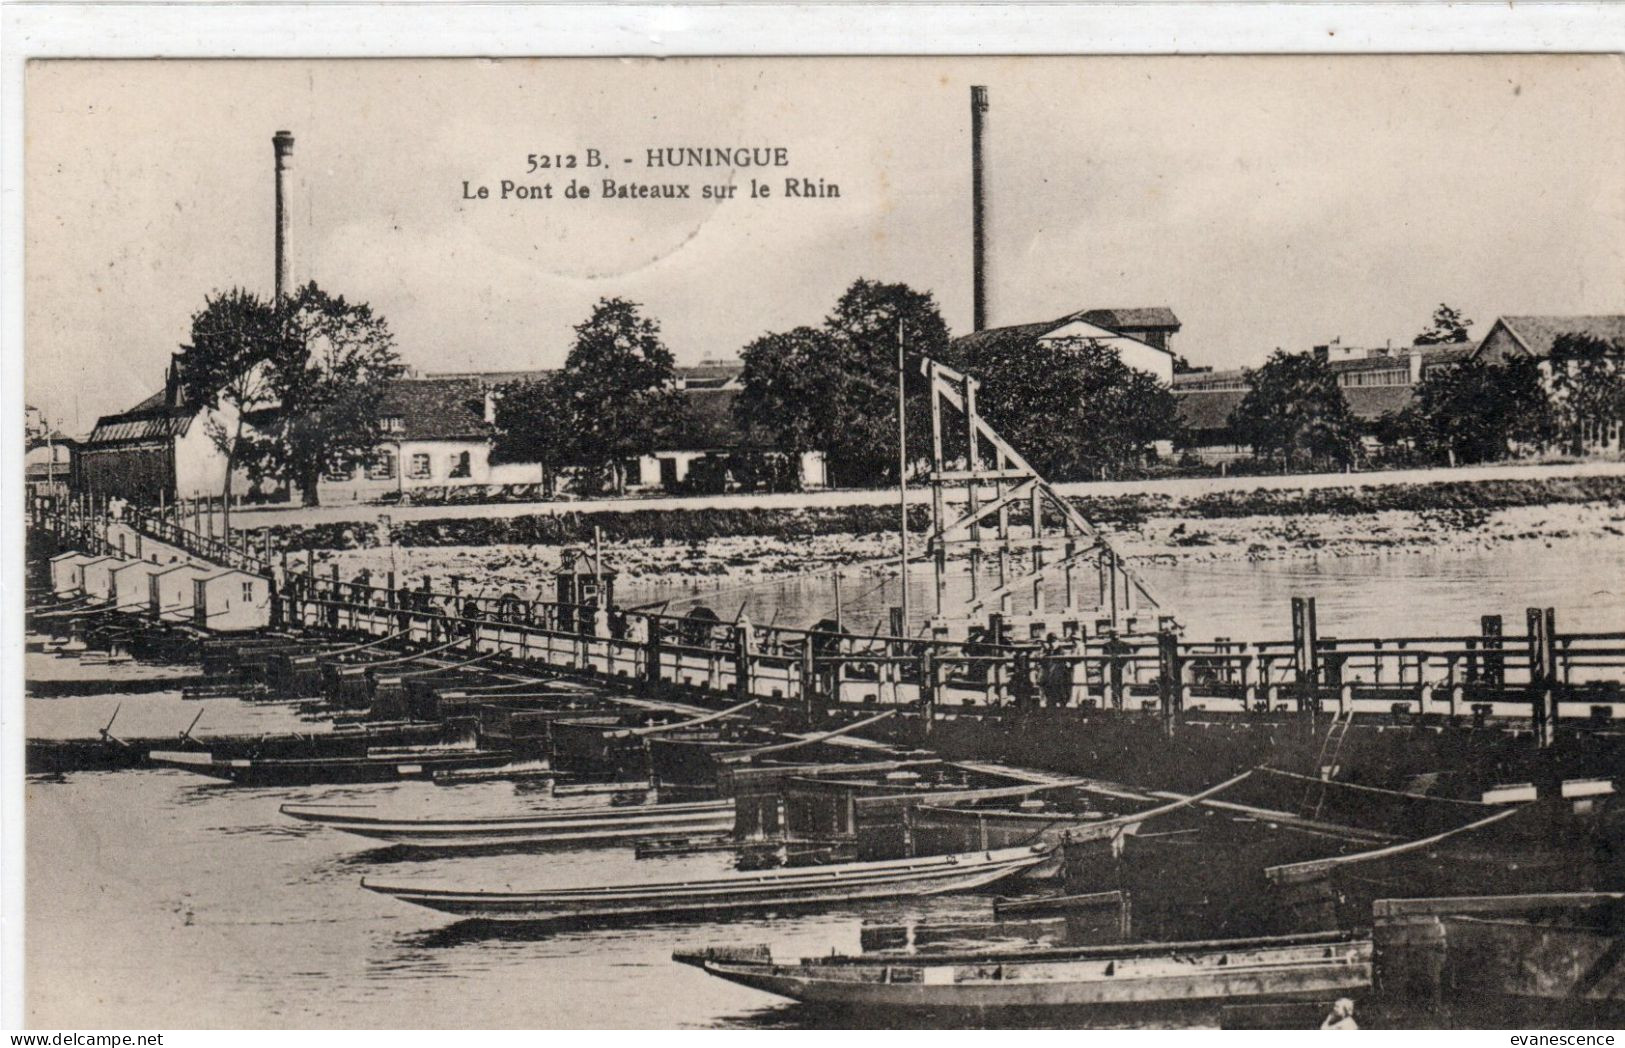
x,y
995,478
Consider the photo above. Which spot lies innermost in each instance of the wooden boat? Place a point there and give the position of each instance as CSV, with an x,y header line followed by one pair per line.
x,y
107,751
388,766
975,827
1555,844
804,886
575,826
1512,960
1276,968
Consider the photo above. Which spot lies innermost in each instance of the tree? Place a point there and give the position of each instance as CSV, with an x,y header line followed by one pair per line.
x,y
1073,410
617,389
834,389
533,425
865,325
225,370
793,385
1588,381
331,364
1475,411
1294,406
1449,326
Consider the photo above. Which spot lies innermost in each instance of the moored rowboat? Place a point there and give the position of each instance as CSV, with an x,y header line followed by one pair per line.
x,y
1289,967
329,770
576,826
804,886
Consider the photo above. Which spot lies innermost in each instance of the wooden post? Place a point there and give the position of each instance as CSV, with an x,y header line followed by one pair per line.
x,y
1168,666
809,678
1494,674
1022,683
1114,672
1109,565
938,541
1305,655
742,662
651,657
929,686
1542,673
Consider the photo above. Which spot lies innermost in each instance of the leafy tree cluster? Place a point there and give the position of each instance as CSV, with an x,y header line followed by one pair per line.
x,y
834,388
1449,327
1588,386
1475,411
608,405
1073,410
293,385
1294,408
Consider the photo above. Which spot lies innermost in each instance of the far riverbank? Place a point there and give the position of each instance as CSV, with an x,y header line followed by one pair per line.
x,y
727,547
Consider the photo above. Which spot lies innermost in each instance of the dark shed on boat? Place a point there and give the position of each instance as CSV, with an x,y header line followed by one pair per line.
x,y
585,583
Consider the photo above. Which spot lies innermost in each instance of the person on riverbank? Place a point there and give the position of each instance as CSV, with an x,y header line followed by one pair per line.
x,y
1341,1017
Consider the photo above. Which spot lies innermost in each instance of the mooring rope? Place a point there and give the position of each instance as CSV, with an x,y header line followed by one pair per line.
x,y
365,666
452,666
397,635
779,747
660,728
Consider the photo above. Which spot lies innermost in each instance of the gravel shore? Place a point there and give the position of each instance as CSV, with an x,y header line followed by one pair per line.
x,y
1170,537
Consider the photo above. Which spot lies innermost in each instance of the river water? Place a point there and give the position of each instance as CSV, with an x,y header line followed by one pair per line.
x,y
159,899
1419,594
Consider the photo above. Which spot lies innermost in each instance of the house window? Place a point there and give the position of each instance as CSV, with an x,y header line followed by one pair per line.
x,y
392,424
383,467
248,591
336,475
459,465
420,466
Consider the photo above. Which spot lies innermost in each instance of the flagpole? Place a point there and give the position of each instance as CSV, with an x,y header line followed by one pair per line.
x,y
902,470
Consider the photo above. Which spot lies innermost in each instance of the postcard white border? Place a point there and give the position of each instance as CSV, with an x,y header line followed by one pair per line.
x,y
380,30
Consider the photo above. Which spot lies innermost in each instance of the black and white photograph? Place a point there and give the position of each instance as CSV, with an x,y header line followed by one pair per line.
x,y
1029,542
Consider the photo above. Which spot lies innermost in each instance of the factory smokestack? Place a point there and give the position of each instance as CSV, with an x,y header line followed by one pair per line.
x,y
282,144
978,204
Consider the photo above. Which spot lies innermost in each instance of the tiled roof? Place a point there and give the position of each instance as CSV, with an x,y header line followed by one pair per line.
x,y
442,407
1400,357
990,340
1537,333
1185,379
1208,411
47,470
1101,325
152,403
1132,319
492,378
710,370
705,372
133,426
1078,328
56,437
1372,402
436,409
706,423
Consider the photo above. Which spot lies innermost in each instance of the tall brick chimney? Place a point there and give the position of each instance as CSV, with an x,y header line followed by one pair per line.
x,y
282,144
978,206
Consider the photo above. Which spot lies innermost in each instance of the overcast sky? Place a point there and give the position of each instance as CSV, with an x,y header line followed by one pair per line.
x,y
1270,202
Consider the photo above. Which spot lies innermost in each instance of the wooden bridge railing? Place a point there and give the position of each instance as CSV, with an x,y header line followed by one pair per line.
x,y
1540,674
